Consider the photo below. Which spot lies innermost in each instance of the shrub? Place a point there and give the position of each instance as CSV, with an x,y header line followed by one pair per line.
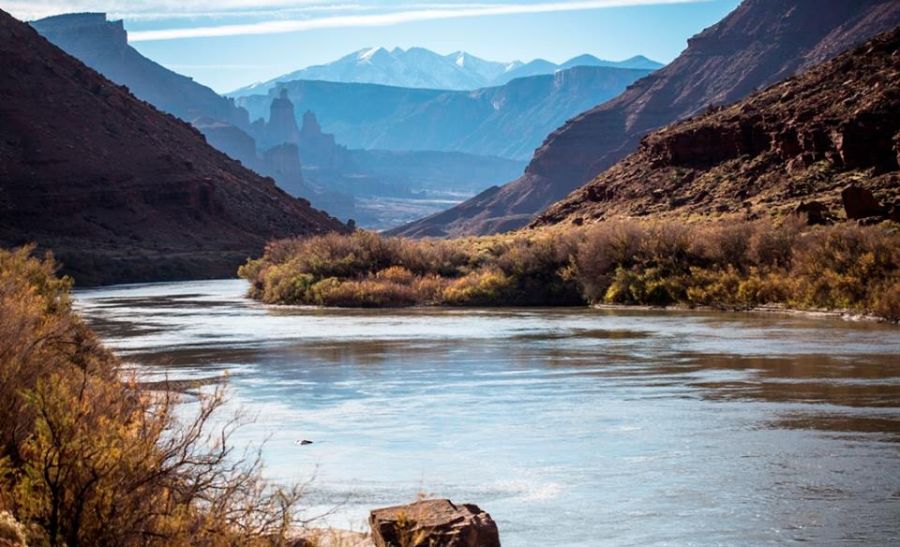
x,y
482,288
89,457
735,265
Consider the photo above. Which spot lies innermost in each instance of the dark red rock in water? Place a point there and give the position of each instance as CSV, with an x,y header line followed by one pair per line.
x,y
433,523
761,42
117,189
782,150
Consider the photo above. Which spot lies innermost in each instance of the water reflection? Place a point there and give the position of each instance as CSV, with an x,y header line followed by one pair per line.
x,y
572,426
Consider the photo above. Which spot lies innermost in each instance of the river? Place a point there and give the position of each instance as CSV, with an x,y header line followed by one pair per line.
x,y
572,427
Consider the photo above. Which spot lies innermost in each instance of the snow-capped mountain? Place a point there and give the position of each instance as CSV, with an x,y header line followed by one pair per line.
x,y
421,68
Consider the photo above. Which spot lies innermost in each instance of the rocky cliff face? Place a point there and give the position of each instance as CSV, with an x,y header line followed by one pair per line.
x,y
117,189
282,125
795,144
759,43
103,46
282,163
319,150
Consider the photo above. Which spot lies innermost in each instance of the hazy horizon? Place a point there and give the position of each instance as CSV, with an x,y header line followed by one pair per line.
x,y
233,43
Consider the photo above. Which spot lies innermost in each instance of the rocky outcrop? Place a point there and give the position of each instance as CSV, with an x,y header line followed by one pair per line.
x,y
817,143
759,43
117,189
433,523
283,164
318,149
860,203
282,125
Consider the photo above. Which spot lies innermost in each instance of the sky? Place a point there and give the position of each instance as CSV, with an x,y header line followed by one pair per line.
x,y
227,44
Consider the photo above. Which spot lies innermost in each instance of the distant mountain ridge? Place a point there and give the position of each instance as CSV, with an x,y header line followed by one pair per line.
x,y
508,121
421,68
757,44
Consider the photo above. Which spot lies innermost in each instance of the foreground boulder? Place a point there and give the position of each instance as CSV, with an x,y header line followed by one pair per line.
x,y
433,523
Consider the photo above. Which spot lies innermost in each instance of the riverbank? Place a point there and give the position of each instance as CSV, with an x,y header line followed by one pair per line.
x,y
842,267
770,309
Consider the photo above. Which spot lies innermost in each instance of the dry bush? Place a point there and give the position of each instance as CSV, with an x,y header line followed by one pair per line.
x,y
366,293
88,457
606,248
481,288
735,265
846,267
725,245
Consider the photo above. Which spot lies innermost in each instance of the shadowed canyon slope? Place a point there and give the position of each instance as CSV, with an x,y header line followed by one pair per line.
x,y
117,189
804,139
761,42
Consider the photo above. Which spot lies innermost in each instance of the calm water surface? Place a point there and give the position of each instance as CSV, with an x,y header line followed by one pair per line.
x,y
570,426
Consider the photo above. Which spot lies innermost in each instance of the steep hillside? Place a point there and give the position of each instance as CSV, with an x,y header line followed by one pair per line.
x,y
424,69
803,140
507,121
118,190
759,43
103,46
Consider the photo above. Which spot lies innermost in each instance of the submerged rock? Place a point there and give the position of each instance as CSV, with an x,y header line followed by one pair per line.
x,y
433,523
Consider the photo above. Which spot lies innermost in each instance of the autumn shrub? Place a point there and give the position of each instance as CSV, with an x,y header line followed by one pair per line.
x,y
723,265
89,457
850,267
605,249
481,288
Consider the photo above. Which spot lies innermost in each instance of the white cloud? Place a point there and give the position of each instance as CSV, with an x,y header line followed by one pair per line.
x,y
172,9
296,15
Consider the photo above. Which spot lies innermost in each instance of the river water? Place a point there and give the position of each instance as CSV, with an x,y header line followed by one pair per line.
x,y
572,427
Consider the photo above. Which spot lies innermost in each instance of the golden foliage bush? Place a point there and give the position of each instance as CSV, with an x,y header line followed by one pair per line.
x,y
88,457
725,265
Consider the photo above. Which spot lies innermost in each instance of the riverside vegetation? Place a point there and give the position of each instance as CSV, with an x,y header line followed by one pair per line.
x,y
725,265
90,457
